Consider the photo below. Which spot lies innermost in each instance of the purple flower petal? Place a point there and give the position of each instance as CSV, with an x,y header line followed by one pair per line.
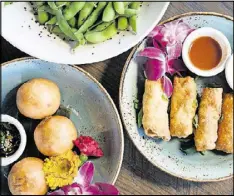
x,y
156,44
160,38
154,69
85,174
182,26
92,190
182,35
174,51
73,189
167,86
174,32
178,64
57,192
155,31
169,32
153,53
182,31
107,189
172,26
175,66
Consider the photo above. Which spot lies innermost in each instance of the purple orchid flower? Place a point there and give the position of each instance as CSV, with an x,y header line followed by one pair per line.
x,y
163,56
158,65
82,184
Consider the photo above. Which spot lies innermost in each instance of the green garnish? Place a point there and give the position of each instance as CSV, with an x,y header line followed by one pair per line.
x,y
187,146
139,118
188,151
195,104
203,153
196,78
136,104
215,85
83,158
195,121
164,97
221,118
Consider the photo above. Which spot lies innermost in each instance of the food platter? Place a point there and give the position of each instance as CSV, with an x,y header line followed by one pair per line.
x,y
22,32
83,100
212,166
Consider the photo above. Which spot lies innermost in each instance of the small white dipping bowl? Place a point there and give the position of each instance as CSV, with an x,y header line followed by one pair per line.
x,y
217,36
8,160
229,71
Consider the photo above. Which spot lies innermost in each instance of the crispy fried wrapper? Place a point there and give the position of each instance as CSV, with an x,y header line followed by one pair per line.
x,y
155,116
225,130
208,117
183,107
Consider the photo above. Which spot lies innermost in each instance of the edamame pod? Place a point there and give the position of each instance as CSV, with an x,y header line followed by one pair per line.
x,y
108,13
135,5
85,12
56,30
133,23
97,37
126,3
68,3
73,9
72,22
63,25
122,23
100,22
42,17
50,27
46,8
52,5
74,30
61,3
80,39
39,3
92,18
119,7
130,12
102,26
52,21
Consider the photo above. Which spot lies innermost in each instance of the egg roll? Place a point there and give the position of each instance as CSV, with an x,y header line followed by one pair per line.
x,y
183,107
155,117
208,117
225,130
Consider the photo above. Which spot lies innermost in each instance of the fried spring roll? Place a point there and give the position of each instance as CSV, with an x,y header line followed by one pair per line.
x,y
155,116
208,116
225,131
183,107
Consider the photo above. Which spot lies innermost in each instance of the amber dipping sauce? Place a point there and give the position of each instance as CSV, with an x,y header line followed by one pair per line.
x,y
205,53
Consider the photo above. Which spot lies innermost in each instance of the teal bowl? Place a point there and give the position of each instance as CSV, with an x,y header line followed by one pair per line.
x,y
83,100
213,166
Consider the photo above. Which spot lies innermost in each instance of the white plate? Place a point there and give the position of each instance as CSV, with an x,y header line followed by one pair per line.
x,y
20,29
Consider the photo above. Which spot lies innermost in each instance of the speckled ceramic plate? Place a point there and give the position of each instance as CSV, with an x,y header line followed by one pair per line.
x,y
84,101
213,166
20,29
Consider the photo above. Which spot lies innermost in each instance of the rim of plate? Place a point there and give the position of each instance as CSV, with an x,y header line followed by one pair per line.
x,y
98,59
118,119
131,55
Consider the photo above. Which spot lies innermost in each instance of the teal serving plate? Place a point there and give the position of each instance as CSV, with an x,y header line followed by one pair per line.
x,y
213,166
83,100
